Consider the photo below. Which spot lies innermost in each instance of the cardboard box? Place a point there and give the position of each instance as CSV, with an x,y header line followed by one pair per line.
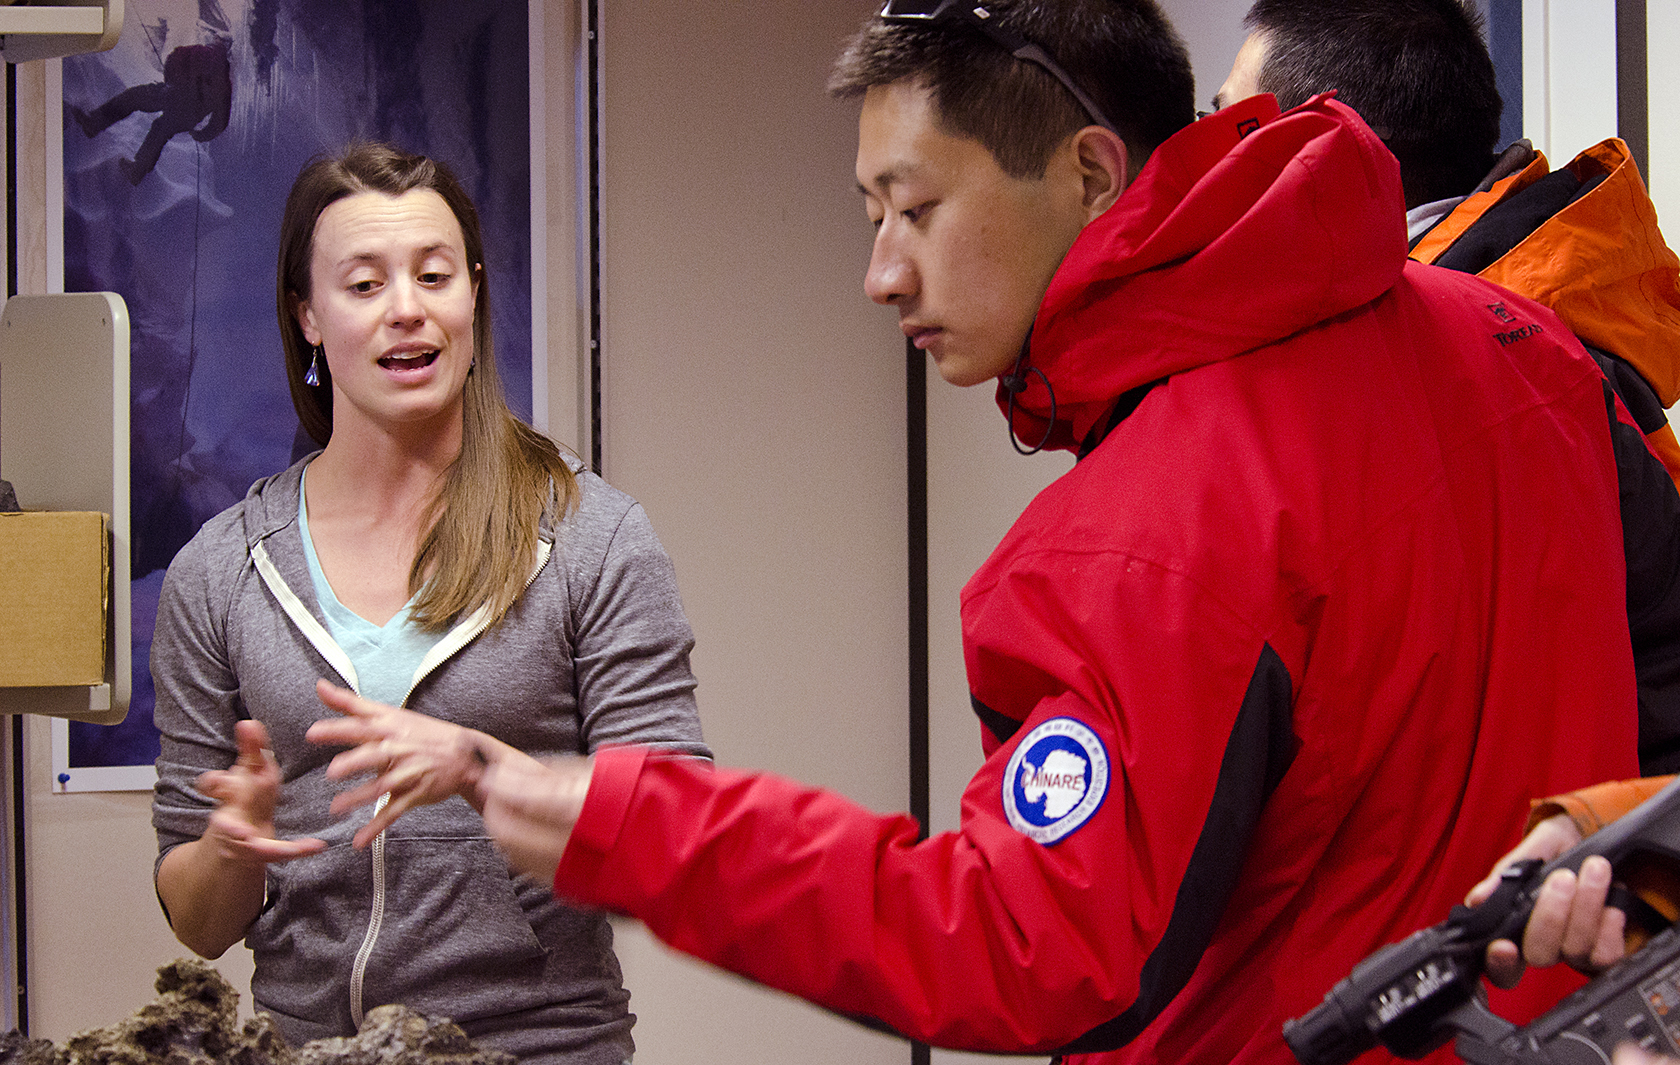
x,y
55,581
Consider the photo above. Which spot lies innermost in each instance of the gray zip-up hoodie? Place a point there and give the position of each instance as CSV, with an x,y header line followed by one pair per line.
x,y
594,652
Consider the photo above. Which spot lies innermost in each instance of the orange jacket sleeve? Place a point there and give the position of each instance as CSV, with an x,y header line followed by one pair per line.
x,y
1593,808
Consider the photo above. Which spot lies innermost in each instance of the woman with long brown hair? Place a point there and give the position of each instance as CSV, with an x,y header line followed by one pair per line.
x,y
438,555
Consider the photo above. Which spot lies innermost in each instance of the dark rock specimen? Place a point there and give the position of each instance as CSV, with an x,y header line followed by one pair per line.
x,y
195,1022
396,1035
16,1050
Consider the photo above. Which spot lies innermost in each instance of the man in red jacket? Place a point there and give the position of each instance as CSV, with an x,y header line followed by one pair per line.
x,y
1263,681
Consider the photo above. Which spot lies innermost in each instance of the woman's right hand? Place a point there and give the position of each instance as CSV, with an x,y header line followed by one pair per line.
x,y
241,828
213,887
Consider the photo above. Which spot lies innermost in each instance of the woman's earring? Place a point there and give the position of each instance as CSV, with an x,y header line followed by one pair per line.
x,y
312,376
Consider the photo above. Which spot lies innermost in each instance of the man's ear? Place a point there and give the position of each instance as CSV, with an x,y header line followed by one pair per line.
x,y
1103,166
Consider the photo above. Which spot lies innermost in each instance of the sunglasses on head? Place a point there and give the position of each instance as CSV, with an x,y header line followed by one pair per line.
x,y
977,17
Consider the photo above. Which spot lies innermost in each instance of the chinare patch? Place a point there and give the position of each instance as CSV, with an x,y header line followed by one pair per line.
x,y
1057,779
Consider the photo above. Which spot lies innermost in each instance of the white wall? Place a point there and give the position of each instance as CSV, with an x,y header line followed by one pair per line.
x,y
1662,45
1662,41
1569,74
1212,31
1569,89
753,401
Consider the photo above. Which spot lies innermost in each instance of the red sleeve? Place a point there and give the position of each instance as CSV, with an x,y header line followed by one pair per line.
x,y
819,897
1009,934
611,785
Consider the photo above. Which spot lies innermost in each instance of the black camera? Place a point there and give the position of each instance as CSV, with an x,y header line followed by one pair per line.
x,y
1412,996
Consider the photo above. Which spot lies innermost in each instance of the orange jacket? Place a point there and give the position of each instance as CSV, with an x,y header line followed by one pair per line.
x,y
1600,263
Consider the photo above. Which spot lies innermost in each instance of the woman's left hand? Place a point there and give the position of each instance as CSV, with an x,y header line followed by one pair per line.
x,y
417,759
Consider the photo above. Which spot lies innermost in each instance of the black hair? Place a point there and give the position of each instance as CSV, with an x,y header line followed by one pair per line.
x,y
1124,54
1417,71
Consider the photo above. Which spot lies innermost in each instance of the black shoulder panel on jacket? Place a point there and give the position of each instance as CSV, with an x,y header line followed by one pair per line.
x,y
1121,410
1261,747
1651,540
999,725
1637,395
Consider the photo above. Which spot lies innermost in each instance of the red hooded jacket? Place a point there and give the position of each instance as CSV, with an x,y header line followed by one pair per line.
x,y
1266,680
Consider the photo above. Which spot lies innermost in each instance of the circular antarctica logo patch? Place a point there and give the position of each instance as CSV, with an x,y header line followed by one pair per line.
x,y
1056,780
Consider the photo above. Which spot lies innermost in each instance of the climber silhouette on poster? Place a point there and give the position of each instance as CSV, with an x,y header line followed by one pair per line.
x,y
195,97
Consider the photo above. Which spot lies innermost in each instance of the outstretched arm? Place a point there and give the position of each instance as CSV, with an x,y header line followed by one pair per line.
x,y
212,887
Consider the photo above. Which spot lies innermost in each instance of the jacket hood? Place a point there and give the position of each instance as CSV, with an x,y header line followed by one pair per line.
x,y
1244,228
271,503
1600,261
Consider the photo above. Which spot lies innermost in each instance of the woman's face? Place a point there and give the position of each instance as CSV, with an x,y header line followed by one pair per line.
x,y
391,305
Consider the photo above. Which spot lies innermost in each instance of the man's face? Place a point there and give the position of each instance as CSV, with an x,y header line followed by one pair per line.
x,y
963,250
1244,79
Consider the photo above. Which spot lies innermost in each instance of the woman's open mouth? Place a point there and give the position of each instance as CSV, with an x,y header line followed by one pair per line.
x,y
413,360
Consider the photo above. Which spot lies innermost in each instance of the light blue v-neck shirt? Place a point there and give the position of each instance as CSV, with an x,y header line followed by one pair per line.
x,y
386,656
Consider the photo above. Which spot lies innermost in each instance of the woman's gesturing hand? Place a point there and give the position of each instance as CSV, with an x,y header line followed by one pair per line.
x,y
414,758
241,828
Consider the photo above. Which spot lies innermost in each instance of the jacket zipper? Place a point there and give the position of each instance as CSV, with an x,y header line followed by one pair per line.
x,y
376,919
458,637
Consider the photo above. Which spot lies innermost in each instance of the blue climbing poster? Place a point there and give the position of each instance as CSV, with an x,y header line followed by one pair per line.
x,y
179,147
